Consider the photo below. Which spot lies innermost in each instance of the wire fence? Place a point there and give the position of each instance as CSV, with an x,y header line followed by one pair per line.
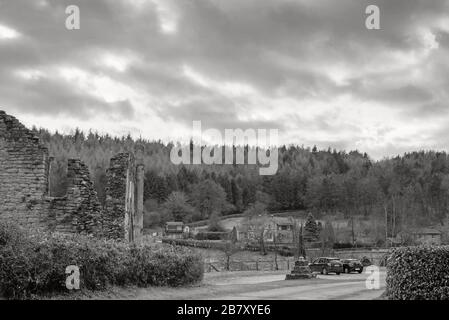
x,y
281,263
286,263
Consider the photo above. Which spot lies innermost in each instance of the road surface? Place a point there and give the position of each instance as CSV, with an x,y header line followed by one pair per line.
x,y
260,286
344,286
252,285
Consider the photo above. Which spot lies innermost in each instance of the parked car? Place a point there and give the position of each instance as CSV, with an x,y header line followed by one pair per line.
x,y
326,265
352,265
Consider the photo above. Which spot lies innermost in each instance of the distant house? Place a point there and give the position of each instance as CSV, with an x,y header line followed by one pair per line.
x,y
174,229
280,229
426,236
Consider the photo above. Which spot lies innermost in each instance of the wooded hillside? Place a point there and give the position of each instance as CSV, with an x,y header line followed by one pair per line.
x,y
410,190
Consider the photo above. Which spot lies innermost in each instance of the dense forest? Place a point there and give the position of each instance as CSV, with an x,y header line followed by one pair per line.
x,y
407,191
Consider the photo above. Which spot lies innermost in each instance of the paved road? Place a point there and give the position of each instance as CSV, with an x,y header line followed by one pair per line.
x,y
257,286
352,287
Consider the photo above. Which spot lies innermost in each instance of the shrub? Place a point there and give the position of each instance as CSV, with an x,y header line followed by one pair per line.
x,y
10,233
151,219
365,261
342,245
35,264
212,235
163,267
214,223
180,243
286,252
415,273
384,259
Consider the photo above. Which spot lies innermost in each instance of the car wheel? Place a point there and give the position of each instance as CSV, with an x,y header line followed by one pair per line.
x,y
338,273
360,271
346,270
324,271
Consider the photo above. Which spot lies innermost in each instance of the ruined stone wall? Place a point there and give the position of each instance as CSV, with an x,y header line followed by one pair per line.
x,y
23,174
138,218
24,171
79,211
124,199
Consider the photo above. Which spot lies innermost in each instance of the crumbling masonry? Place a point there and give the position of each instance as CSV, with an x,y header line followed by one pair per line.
x,y
124,197
24,199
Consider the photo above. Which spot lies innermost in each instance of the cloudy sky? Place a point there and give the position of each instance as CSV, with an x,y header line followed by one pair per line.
x,y
309,68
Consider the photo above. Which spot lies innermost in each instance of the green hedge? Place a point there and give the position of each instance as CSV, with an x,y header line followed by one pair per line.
x,y
418,273
206,244
34,264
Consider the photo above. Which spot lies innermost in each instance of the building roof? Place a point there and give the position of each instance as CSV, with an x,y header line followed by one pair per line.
x,y
282,221
426,231
175,223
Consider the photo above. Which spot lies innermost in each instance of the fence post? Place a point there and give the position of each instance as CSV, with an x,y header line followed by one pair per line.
x,y
257,264
288,264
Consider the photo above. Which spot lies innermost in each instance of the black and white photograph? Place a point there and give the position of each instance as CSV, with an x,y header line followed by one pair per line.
x,y
225,150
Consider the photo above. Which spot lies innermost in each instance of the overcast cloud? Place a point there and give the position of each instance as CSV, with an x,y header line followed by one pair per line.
x,y
307,67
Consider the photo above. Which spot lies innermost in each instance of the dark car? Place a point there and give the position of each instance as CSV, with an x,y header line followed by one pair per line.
x,y
326,265
352,265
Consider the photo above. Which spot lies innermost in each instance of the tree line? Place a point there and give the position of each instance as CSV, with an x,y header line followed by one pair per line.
x,y
405,191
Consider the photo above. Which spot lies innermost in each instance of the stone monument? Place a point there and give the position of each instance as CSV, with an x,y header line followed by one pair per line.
x,y
301,270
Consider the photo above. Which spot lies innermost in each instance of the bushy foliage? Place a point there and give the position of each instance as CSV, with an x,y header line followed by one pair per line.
x,y
418,273
213,235
178,207
311,231
255,210
35,264
214,223
151,219
206,244
209,197
10,233
342,245
366,261
285,251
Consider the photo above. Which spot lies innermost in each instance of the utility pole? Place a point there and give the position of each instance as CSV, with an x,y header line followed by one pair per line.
x,y
302,249
352,231
386,226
